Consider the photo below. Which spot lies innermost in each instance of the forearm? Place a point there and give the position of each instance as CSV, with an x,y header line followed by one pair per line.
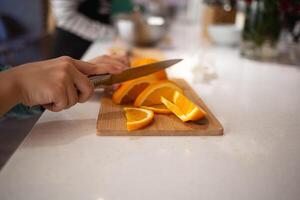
x,y
9,94
68,18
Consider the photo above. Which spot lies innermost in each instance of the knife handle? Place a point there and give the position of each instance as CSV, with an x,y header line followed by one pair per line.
x,y
101,79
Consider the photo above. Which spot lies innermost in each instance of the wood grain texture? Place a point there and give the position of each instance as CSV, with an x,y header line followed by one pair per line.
x,y
112,122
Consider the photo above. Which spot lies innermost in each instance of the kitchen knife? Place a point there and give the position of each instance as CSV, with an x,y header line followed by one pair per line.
x,y
132,73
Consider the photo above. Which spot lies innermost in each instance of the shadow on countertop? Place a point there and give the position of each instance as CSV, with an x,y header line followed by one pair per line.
x,y
12,132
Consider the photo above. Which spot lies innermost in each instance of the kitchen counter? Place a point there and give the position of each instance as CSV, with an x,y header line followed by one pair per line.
x,y
257,158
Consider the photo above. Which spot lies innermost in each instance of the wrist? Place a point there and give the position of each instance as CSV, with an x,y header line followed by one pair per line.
x,y
12,85
9,92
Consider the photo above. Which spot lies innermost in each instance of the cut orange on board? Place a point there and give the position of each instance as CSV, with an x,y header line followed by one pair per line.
x,y
136,62
129,90
175,109
153,93
159,109
161,75
183,108
138,118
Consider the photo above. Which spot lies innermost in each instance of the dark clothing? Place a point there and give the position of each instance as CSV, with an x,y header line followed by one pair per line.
x,y
69,44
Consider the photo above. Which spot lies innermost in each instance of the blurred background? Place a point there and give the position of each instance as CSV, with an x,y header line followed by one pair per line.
x,y
32,30
261,29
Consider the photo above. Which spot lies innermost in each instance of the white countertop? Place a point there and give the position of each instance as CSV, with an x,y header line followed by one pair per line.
x,y
257,158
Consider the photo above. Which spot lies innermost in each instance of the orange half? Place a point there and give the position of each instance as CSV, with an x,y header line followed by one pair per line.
x,y
184,108
129,90
161,75
138,118
153,93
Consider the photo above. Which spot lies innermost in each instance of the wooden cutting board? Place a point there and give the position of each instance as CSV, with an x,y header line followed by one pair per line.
x,y
112,122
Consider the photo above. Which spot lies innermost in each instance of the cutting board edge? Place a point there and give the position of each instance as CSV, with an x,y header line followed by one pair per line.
x,y
102,132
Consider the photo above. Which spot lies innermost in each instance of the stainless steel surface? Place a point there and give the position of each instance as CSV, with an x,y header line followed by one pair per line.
x,y
141,30
132,73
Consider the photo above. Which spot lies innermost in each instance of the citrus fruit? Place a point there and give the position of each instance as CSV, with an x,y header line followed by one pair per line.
x,y
138,118
159,109
175,109
183,108
153,93
161,75
129,90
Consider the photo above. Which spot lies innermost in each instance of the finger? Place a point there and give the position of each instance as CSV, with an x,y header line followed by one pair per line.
x,y
72,95
110,69
116,86
120,61
107,68
47,106
60,102
113,62
90,69
84,87
87,68
124,59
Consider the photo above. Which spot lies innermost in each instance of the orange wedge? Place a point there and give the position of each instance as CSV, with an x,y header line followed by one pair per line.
x,y
175,109
159,109
138,118
183,108
153,93
161,75
129,90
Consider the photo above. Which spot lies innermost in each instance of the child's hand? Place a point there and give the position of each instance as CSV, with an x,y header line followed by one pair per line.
x,y
105,62
110,64
56,84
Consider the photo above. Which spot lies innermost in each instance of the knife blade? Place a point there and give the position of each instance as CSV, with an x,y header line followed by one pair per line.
x,y
132,73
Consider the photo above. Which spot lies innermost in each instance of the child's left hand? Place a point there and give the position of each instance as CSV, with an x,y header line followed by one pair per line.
x,y
110,64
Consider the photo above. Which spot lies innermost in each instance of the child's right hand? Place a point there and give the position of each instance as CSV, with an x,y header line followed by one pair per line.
x,y
59,83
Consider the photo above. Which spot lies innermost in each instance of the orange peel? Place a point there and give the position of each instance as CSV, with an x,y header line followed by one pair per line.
x,y
138,118
152,94
129,90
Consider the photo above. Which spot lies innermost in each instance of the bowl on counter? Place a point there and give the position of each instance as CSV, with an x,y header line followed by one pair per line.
x,y
141,30
224,34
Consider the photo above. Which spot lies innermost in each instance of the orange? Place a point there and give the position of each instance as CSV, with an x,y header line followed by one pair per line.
x,y
138,118
161,75
136,62
175,109
153,93
159,109
183,108
129,90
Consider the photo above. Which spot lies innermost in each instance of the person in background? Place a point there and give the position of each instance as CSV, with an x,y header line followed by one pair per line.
x,y
79,22
55,84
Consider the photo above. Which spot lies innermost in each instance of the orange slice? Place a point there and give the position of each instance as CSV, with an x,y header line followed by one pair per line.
x,y
175,109
183,108
161,75
138,118
153,93
159,109
129,90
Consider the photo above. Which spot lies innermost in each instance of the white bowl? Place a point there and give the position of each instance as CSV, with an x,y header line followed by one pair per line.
x,y
225,35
